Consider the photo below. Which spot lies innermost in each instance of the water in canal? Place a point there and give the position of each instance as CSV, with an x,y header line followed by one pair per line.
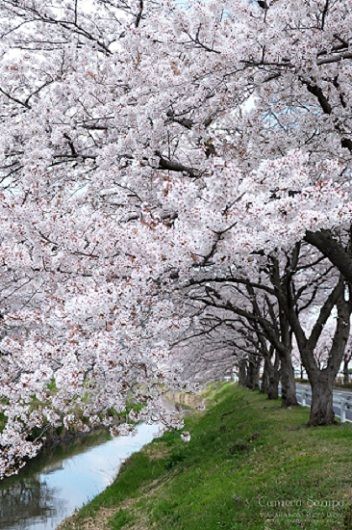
x,y
49,490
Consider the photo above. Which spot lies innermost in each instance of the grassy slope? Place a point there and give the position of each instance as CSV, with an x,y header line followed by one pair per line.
x,y
246,455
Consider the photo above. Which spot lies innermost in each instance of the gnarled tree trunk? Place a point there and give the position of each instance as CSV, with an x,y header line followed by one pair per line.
x,y
253,374
265,378
242,372
322,411
288,382
273,387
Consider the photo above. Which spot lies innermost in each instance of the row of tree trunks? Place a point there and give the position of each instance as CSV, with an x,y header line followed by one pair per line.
x,y
249,370
339,253
280,370
321,380
280,324
321,413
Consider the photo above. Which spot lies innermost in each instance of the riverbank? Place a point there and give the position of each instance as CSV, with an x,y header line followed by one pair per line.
x,y
56,484
250,465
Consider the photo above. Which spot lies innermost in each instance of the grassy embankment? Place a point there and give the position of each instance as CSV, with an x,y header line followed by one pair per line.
x,y
250,465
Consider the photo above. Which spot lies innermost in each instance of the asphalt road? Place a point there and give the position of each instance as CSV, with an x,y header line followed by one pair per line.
x,y
338,395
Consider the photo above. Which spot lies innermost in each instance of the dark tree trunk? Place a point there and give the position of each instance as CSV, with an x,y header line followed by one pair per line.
x,y
265,377
273,387
332,249
321,411
288,382
346,375
302,372
253,375
322,381
242,373
271,377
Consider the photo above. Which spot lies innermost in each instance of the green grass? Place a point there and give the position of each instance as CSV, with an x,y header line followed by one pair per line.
x,y
250,465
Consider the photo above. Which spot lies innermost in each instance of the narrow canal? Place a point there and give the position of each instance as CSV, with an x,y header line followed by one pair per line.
x,y
53,487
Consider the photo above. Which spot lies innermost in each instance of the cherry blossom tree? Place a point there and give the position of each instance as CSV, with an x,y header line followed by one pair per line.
x,y
141,141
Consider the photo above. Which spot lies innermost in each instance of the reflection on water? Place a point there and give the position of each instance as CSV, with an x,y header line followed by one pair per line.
x,y
26,499
39,499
